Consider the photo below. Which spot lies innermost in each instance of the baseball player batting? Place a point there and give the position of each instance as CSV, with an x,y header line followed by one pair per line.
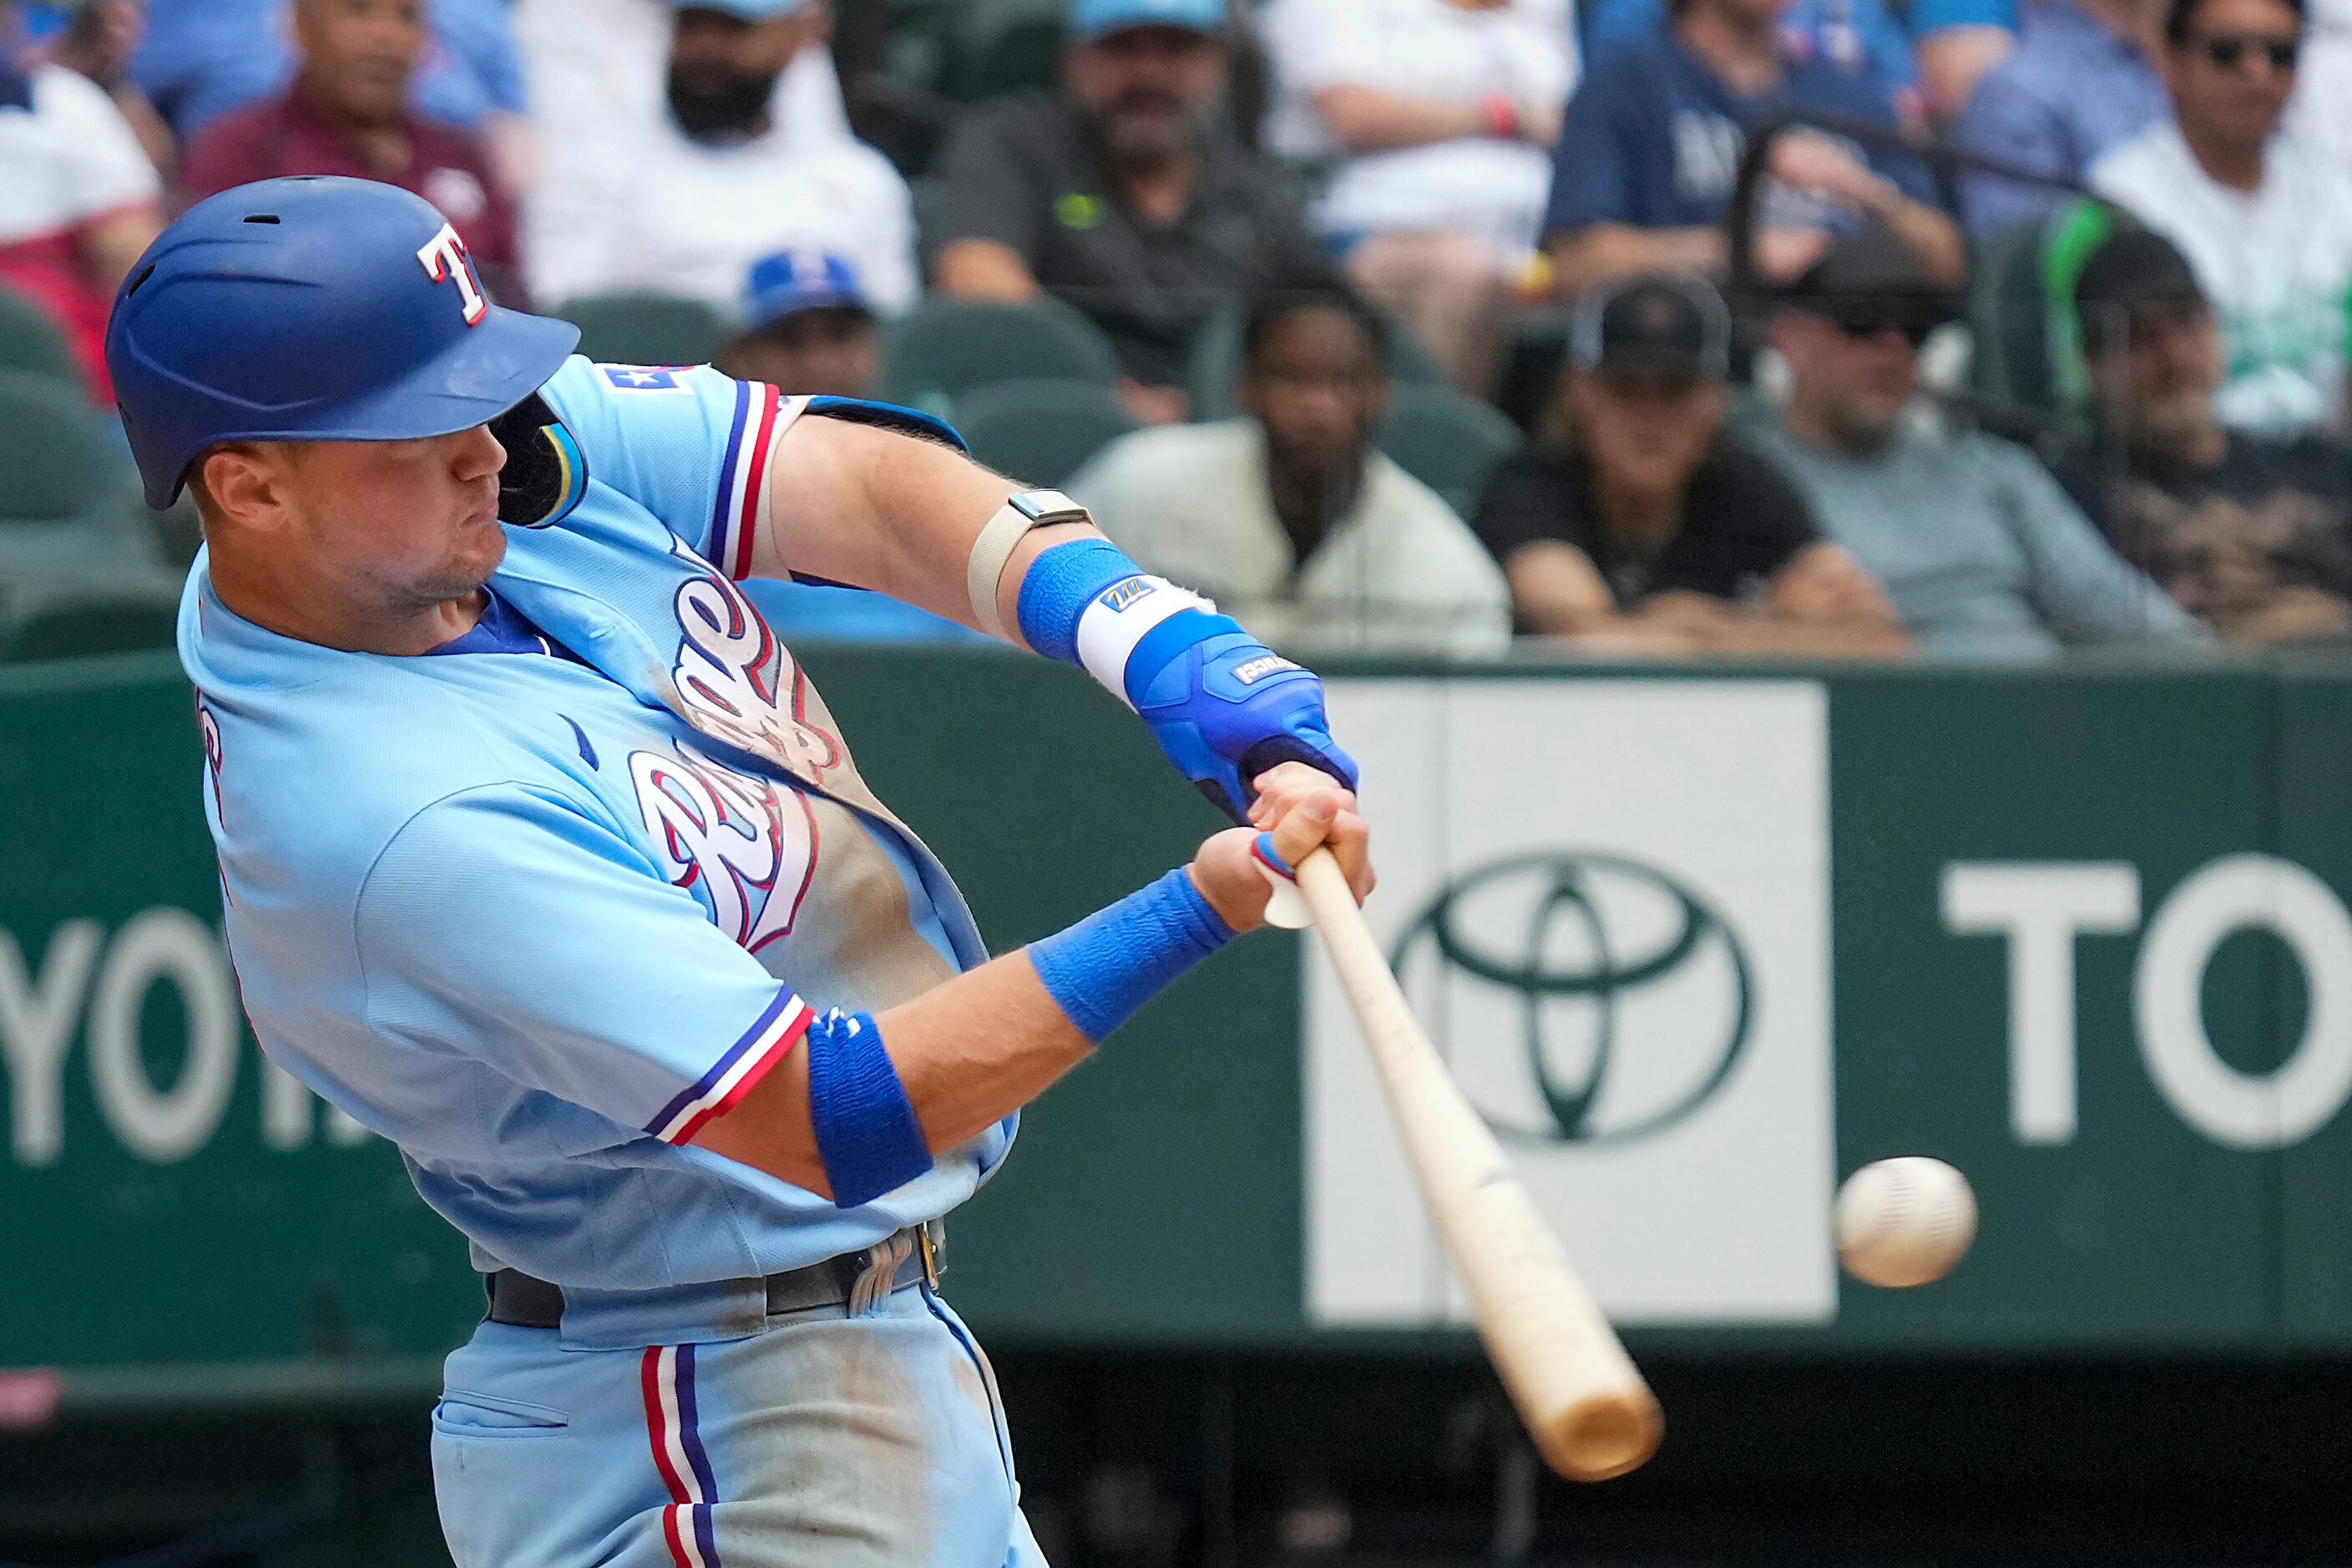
x,y
541,857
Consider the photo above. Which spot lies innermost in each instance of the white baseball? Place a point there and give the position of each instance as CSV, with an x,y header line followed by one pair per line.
x,y
1905,1222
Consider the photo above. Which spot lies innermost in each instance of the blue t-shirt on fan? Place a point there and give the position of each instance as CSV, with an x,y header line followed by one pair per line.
x,y
1652,137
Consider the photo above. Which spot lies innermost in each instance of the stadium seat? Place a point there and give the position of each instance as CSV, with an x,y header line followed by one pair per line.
x,y
29,343
943,349
1449,442
1216,363
2021,311
56,463
1041,431
646,328
90,620
1005,47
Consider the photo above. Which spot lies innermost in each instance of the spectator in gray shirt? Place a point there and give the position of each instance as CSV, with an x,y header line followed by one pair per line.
x,y
1980,549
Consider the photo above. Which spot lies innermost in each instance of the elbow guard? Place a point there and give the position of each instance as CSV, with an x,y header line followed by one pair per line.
x,y
866,1135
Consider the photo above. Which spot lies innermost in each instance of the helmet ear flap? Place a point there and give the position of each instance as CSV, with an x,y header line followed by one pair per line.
x,y
545,476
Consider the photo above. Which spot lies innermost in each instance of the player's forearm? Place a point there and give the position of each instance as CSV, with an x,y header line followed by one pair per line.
x,y
973,1051
869,1103
968,1054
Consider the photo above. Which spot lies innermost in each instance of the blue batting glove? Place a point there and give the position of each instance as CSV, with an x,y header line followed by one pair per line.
x,y
1228,708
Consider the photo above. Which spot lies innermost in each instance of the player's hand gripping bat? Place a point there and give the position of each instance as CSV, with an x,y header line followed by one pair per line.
x,y
1590,1414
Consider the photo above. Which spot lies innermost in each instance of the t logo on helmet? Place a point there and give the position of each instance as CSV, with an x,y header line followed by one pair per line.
x,y
444,258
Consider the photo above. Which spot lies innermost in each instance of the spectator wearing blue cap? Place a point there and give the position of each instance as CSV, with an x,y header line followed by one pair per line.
x,y
807,328
1125,194
686,205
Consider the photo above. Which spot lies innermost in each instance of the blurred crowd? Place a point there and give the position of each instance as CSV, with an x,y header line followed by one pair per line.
x,y
1660,328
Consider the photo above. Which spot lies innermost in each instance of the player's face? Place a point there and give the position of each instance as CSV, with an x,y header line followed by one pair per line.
x,y
1317,387
405,525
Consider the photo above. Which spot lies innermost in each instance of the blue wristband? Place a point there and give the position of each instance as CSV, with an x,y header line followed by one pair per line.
x,y
1106,967
865,1131
1061,583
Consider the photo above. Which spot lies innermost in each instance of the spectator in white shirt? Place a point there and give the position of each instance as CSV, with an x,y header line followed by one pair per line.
x,y
684,205
2321,115
1442,114
79,198
1288,517
2265,220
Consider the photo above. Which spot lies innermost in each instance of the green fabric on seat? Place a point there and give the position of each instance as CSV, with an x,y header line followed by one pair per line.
x,y
943,349
30,342
646,328
2022,307
77,623
1003,47
55,462
1041,431
1449,442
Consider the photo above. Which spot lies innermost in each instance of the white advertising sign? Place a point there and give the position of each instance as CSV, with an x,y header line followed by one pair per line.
x,y
1609,902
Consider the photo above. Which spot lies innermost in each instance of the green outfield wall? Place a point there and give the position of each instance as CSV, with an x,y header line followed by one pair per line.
x,y
1698,945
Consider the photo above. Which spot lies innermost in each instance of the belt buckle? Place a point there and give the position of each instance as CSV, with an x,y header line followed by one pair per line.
x,y
932,1244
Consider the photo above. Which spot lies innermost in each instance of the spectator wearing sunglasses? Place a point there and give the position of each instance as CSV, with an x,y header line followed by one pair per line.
x,y
1635,524
2265,221
1981,552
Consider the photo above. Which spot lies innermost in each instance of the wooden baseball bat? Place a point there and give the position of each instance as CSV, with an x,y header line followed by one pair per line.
x,y
1590,1413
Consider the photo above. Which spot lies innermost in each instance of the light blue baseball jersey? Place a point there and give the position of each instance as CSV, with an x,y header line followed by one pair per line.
x,y
537,907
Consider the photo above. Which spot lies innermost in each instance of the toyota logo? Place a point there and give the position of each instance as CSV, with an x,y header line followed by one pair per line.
x,y
1582,997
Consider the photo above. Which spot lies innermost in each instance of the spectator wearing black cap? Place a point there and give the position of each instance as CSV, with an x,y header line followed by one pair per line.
x,y
1983,553
1124,193
807,328
1290,518
1637,521
2265,221
2252,535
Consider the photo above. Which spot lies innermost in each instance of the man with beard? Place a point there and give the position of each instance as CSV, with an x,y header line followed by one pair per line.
x,y
1124,195
1288,516
347,112
1979,549
684,207
2251,536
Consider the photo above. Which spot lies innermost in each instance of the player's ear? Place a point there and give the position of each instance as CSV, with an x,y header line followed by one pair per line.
x,y
238,485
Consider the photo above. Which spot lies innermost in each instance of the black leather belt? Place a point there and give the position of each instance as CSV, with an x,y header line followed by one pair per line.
x,y
854,1280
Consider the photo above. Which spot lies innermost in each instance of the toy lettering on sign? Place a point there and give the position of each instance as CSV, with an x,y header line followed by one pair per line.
x,y
748,844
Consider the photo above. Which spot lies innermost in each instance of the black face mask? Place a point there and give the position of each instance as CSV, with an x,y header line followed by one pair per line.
x,y
713,106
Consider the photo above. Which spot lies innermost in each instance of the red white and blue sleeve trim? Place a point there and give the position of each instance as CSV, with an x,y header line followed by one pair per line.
x,y
734,521
737,1073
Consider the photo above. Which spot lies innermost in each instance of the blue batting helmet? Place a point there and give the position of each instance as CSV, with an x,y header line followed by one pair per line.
x,y
312,310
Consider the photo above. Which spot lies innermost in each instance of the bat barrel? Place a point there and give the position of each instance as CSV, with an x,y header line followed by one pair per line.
x,y
1583,1402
